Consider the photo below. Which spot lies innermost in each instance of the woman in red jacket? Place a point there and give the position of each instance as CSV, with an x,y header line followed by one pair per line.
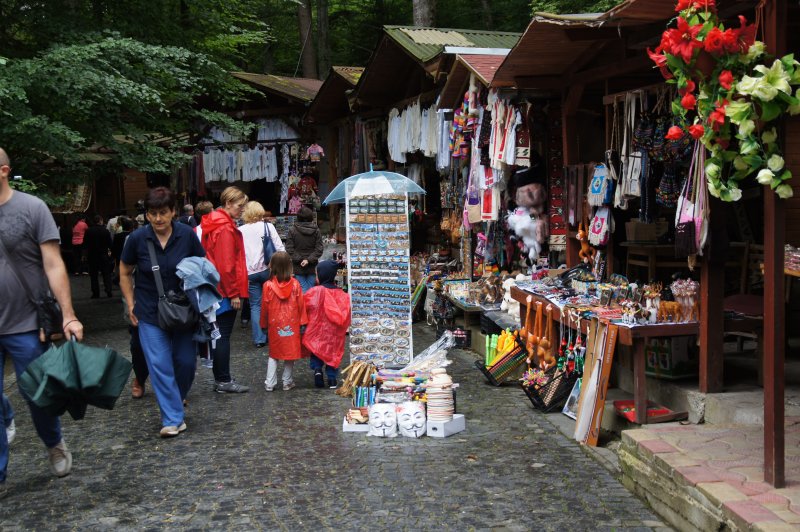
x,y
225,249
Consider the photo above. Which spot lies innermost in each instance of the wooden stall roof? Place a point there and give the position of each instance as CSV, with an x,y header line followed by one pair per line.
x,y
484,66
296,90
331,101
412,54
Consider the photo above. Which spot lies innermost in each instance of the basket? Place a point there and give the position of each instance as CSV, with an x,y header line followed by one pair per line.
x,y
504,368
552,397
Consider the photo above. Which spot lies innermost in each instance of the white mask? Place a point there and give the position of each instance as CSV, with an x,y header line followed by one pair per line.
x,y
411,419
382,420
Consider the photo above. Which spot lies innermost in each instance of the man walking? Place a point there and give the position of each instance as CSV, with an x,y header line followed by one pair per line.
x,y
97,242
188,216
30,237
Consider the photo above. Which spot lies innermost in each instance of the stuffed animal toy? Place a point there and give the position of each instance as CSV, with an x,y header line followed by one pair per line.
x,y
530,183
587,252
669,311
509,304
532,232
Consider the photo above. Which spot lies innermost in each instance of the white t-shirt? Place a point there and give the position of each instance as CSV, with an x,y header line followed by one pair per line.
x,y
254,245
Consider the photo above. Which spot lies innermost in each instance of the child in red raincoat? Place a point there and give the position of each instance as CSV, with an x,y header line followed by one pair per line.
x,y
329,317
283,312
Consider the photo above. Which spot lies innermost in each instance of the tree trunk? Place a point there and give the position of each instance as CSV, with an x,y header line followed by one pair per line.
x,y
307,51
424,12
323,42
487,14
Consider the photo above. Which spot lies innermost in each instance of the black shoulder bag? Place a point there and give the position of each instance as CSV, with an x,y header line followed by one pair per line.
x,y
48,311
175,312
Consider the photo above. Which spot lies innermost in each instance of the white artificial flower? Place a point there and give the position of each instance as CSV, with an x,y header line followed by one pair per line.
x,y
784,191
765,177
770,136
775,163
740,164
734,194
756,50
746,127
712,169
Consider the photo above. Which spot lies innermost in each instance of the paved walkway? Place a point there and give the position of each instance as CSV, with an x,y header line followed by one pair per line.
x,y
280,461
726,465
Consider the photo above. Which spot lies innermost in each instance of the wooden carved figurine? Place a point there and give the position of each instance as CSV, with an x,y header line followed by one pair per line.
x,y
587,252
534,336
669,311
545,352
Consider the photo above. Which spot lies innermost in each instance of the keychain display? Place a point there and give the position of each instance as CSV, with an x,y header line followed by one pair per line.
x,y
379,279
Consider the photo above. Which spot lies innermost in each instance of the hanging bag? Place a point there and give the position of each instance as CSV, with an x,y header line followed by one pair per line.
x,y
612,156
175,312
269,246
601,187
632,162
685,230
601,227
701,195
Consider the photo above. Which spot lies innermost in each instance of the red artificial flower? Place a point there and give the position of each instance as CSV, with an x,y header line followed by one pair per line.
x,y
683,4
726,79
683,40
688,101
714,42
746,35
674,133
730,41
690,86
696,131
660,60
717,117
706,5
723,143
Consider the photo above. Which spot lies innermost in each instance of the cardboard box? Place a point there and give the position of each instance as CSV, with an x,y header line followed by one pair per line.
x,y
636,231
671,358
354,427
443,429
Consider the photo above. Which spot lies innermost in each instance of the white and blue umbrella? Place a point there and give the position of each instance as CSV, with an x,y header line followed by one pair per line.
x,y
373,183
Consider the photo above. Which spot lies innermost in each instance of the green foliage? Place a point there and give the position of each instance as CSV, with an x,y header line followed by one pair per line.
x,y
573,6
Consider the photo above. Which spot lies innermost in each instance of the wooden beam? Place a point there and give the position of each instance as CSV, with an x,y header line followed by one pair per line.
x,y
626,66
592,34
539,82
712,293
775,13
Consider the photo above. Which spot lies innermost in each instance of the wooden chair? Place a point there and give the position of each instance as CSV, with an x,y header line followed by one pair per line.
x,y
744,311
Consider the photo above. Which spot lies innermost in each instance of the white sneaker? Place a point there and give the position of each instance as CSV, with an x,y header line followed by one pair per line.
x,y
11,432
60,459
268,387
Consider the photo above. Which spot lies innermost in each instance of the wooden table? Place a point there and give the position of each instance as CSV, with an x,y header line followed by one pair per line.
x,y
465,308
636,337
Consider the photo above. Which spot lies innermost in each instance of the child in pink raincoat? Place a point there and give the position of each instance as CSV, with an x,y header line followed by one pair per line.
x,y
328,310
283,312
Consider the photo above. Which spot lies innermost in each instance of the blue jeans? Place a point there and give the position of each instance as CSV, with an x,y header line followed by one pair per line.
x,y
24,348
6,411
317,364
307,282
172,361
255,286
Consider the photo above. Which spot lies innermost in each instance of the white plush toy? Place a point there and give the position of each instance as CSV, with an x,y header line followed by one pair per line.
x,y
532,232
509,304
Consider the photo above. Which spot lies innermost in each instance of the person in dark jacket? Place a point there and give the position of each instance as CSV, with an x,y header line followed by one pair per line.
x,y
97,242
304,245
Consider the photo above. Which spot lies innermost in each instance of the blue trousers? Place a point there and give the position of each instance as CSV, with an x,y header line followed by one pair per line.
x,y
255,286
6,411
317,364
24,348
171,360
307,282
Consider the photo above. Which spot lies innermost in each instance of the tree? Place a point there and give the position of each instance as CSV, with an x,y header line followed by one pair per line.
x,y
424,12
308,53
573,6
323,40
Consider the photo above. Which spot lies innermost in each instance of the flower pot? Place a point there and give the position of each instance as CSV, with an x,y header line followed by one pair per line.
x,y
705,64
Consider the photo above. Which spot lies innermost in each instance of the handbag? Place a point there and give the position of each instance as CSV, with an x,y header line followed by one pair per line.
x,y
612,153
48,311
601,227
175,311
685,229
632,162
269,246
601,187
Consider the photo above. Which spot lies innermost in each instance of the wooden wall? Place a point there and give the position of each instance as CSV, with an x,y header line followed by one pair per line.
x,y
134,189
792,156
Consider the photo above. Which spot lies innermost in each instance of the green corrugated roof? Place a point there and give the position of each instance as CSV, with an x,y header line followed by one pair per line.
x,y
426,43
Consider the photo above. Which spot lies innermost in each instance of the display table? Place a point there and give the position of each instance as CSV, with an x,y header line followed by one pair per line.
x,y
635,336
465,308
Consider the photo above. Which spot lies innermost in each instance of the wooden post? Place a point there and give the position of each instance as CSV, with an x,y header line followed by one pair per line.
x,y
712,292
775,22
569,130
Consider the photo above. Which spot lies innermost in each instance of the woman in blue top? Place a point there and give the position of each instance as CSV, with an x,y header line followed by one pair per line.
x,y
170,355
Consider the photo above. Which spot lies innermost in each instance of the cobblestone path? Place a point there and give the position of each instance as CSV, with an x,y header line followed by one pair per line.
x,y
279,461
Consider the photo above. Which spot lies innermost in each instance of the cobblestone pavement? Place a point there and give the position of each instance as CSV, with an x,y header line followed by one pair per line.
x,y
279,461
